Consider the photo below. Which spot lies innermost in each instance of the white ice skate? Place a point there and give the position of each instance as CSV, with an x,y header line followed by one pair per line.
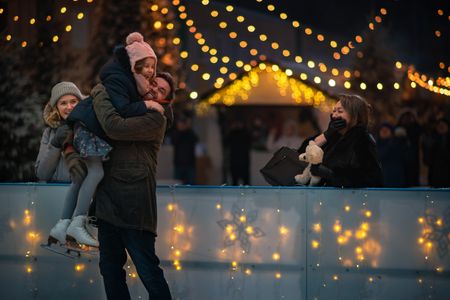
x,y
76,232
58,232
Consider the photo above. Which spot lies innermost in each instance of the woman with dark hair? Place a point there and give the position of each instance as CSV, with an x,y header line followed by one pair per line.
x,y
350,154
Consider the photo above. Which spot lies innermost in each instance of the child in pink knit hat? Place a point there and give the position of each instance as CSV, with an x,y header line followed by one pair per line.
x,y
142,60
126,78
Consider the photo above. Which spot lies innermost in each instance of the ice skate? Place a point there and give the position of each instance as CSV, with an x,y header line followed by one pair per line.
x,y
78,236
58,232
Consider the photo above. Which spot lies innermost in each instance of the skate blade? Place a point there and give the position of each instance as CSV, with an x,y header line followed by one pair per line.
x,y
82,248
61,250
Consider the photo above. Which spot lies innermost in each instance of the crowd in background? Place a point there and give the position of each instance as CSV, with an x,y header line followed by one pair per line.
x,y
413,152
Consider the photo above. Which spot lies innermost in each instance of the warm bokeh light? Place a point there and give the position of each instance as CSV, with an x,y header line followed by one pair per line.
x,y
315,244
79,267
276,256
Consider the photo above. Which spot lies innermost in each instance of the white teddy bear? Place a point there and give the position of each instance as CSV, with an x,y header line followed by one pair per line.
x,y
313,156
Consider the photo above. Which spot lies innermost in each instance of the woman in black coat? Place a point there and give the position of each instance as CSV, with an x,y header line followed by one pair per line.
x,y
350,153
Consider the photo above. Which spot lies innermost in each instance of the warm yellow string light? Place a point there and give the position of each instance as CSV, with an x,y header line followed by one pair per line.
x,y
32,21
334,72
438,34
201,41
441,13
345,50
254,52
243,44
426,82
262,37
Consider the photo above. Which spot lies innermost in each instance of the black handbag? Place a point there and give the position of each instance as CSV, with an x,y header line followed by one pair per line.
x,y
282,167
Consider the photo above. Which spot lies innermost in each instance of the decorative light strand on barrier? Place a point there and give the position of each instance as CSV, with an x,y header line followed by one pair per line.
x,y
179,234
33,238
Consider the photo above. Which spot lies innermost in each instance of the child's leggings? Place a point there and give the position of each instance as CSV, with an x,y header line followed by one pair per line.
x,y
79,196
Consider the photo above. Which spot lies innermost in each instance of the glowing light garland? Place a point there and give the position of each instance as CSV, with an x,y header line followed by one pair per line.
x,y
345,50
32,21
440,85
334,72
426,82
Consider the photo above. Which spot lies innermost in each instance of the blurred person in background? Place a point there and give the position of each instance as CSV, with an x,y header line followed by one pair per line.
x,y
391,150
184,141
437,154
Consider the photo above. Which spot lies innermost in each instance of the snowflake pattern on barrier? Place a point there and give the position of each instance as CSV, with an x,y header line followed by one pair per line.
x,y
240,228
440,232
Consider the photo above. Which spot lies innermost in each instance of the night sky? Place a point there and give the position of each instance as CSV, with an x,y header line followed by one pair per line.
x,y
410,24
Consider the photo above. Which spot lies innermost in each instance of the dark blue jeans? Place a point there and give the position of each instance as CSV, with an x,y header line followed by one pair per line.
x,y
141,248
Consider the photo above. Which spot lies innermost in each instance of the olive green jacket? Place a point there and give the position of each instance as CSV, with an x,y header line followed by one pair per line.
x,y
126,197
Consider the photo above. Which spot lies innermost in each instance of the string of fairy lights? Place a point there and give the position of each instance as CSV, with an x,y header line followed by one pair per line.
x,y
346,49
179,239
434,237
33,239
438,87
275,45
243,44
299,59
438,34
365,248
263,38
63,10
225,64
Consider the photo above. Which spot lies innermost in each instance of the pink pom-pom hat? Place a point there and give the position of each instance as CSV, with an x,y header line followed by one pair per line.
x,y
138,49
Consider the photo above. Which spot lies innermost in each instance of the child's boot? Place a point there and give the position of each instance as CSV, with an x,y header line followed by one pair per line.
x,y
77,231
58,232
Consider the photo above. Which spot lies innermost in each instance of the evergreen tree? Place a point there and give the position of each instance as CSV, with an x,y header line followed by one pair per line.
x,y
28,76
20,117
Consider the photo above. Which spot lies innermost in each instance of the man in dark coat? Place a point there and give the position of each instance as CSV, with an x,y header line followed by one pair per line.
x,y
126,197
